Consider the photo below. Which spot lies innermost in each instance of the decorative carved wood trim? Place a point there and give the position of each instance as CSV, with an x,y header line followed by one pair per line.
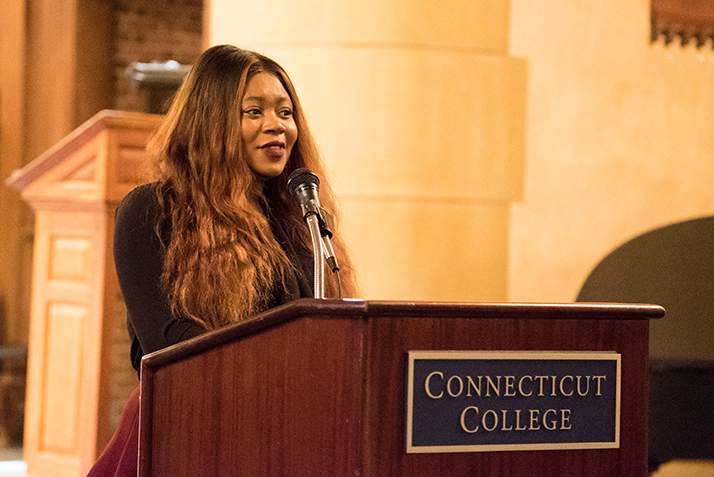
x,y
687,19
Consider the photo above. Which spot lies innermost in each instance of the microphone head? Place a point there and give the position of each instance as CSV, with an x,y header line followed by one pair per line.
x,y
301,178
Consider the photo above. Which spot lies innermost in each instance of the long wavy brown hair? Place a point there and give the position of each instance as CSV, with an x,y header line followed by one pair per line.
x,y
222,261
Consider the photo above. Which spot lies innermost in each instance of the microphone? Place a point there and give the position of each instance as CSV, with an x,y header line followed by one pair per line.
x,y
306,185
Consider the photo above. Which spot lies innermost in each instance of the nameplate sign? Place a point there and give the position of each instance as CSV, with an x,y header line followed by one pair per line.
x,y
482,401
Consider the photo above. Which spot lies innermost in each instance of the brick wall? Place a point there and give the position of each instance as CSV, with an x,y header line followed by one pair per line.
x,y
159,30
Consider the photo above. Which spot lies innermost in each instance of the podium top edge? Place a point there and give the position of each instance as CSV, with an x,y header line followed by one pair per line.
x,y
581,310
379,309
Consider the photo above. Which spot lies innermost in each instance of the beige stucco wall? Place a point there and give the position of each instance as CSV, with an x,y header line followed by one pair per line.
x,y
618,141
619,138
419,112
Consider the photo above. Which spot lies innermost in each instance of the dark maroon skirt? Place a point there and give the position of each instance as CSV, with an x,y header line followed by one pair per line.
x,y
121,456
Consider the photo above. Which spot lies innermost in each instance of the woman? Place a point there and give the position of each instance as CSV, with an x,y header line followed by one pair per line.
x,y
218,237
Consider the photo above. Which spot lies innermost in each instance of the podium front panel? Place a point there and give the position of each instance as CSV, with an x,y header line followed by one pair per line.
x,y
318,387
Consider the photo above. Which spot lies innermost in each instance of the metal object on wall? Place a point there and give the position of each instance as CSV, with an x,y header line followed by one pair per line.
x,y
160,79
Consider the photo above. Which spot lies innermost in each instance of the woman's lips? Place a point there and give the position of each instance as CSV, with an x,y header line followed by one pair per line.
x,y
274,148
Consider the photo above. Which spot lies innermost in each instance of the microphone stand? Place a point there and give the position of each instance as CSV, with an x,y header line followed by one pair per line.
x,y
313,224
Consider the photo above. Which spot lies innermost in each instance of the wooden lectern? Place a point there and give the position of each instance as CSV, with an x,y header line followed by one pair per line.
x,y
317,388
79,374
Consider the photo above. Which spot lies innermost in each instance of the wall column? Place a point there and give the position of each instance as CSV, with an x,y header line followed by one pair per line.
x,y
419,113
13,322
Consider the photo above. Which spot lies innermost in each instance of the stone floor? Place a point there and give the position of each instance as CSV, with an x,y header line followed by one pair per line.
x,y
683,468
11,463
13,468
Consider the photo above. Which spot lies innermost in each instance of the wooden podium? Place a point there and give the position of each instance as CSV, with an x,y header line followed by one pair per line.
x,y
79,374
317,388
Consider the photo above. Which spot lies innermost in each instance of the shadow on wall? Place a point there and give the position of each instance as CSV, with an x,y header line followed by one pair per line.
x,y
672,266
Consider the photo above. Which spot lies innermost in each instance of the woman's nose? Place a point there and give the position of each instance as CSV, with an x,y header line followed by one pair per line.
x,y
274,124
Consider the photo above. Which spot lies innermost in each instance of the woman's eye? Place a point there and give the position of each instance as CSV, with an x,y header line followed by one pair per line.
x,y
286,113
252,112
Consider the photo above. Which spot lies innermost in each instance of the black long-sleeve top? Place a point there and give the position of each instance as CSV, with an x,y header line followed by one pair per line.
x,y
139,255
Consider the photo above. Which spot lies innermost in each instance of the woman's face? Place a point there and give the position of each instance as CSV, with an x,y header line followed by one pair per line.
x,y
267,125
